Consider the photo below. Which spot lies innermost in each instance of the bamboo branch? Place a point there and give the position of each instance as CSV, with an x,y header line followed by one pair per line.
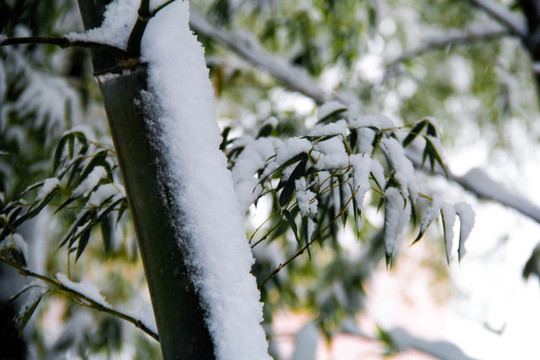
x,y
61,288
452,40
63,42
143,17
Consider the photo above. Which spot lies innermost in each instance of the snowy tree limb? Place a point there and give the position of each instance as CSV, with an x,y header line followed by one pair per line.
x,y
59,287
62,42
500,13
479,183
454,39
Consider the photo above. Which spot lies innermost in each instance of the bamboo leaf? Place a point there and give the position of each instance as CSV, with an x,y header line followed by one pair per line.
x,y
83,241
415,131
29,311
290,221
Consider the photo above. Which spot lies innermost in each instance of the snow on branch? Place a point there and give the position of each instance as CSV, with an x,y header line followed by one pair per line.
x,y
84,294
458,38
503,15
482,185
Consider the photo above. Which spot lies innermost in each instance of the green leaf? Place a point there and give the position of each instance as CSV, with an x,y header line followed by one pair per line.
x,y
29,311
415,131
59,150
34,210
265,131
292,224
433,154
224,137
106,234
83,241
333,116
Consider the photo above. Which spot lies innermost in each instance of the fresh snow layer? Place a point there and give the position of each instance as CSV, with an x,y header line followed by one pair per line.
x,y
120,16
91,291
219,254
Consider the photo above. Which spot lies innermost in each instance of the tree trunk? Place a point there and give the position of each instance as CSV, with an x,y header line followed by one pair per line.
x,y
180,320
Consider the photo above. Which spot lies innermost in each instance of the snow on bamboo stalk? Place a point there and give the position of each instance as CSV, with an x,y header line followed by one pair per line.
x,y
218,253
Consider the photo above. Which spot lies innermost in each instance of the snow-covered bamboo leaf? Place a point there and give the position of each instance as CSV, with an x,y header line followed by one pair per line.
x,y
431,213
466,223
36,208
448,217
29,309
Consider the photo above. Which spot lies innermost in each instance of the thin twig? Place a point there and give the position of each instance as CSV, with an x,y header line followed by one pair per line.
x,y
83,300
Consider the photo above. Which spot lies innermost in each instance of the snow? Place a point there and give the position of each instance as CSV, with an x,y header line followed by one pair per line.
x,y
146,316
90,182
431,213
377,121
17,242
466,219
119,17
339,127
329,108
361,169
449,218
396,217
403,167
218,253
479,182
103,193
253,158
91,291
287,150
332,154
305,198
48,185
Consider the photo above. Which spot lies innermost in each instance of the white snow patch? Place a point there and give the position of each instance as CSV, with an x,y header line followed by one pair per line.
x,y
89,290
361,170
119,18
146,316
48,185
90,182
396,217
16,242
449,218
466,223
219,254
403,167
307,203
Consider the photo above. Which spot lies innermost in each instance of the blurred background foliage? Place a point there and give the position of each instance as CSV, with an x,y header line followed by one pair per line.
x,y
350,47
